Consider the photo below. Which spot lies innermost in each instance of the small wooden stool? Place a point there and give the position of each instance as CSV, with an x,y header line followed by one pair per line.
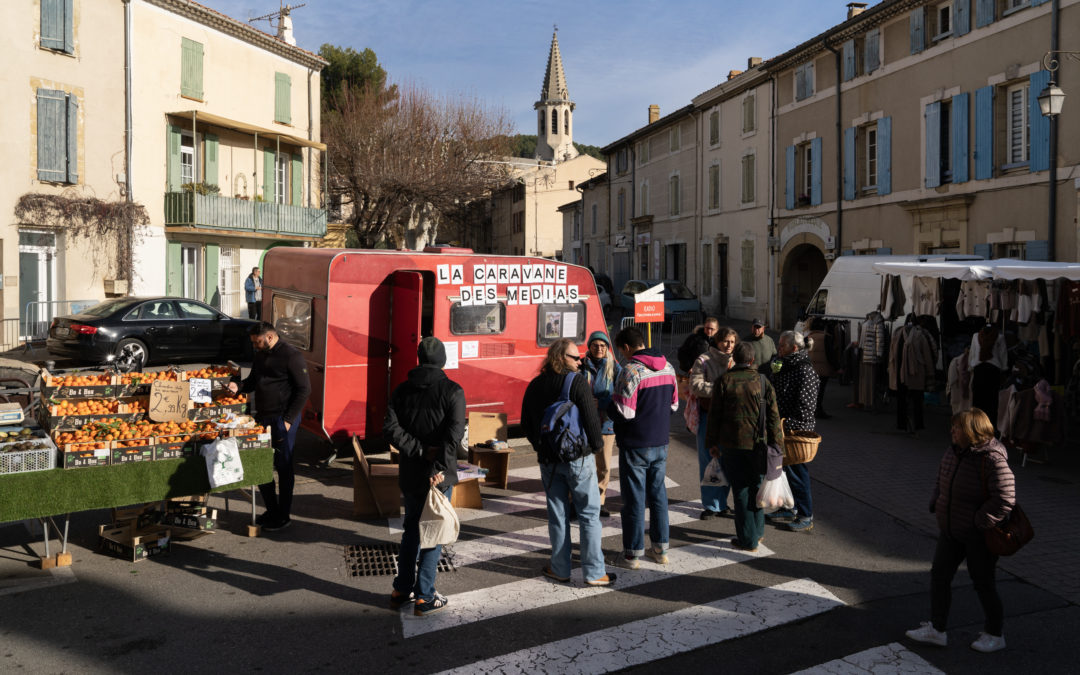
x,y
466,495
497,462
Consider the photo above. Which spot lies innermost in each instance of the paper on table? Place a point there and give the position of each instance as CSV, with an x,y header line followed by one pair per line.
x,y
569,324
470,349
451,355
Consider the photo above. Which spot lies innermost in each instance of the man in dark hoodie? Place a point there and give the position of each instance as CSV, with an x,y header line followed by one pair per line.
x,y
645,396
425,421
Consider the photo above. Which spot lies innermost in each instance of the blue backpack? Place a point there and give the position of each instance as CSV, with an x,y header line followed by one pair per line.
x,y
562,438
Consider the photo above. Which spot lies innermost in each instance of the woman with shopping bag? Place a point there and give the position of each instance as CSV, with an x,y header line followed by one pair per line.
x,y
796,384
704,374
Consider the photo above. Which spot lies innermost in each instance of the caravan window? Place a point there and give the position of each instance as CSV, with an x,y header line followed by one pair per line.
x,y
477,319
291,318
559,321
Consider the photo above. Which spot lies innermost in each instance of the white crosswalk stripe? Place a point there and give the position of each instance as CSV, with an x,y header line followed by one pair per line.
x,y
890,658
491,602
665,635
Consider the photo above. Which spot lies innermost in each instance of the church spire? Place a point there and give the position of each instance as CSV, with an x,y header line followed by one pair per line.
x,y
554,137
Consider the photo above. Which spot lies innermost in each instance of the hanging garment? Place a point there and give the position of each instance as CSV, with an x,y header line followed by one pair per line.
x,y
874,338
911,358
1028,302
926,292
1069,308
988,346
972,299
893,298
958,387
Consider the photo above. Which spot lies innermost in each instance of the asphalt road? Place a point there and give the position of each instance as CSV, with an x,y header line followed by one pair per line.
x,y
286,602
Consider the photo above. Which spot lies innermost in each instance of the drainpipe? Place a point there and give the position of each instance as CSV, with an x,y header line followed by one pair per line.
x,y
310,131
255,180
127,139
1051,230
774,250
839,148
699,206
633,211
194,168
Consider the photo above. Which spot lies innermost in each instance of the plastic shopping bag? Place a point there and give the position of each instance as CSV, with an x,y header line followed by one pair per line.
x,y
439,522
223,465
692,413
714,475
775,494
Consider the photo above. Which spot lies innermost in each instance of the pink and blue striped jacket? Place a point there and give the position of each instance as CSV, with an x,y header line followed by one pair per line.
x,y
645,396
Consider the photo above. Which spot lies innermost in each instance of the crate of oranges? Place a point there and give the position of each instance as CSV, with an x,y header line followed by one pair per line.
x,y
134,384
64,414
78,384
219,376
251,437
130,449
222,403
85,454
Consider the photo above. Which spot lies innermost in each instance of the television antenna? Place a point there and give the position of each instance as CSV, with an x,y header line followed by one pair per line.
x,y
272,17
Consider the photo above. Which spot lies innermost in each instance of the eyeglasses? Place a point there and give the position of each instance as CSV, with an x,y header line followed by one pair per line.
x,y
598,346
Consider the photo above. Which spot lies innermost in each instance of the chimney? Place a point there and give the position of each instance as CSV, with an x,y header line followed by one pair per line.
x,y
654,113
284,29
752,62
855,8
733,73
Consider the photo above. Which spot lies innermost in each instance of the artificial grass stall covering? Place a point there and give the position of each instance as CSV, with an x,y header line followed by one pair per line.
x,y
48,493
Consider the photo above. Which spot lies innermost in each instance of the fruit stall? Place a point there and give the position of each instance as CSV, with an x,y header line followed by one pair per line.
x,y
105,440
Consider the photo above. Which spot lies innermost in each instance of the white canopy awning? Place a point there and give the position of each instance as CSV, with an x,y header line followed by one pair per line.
x,y
975,270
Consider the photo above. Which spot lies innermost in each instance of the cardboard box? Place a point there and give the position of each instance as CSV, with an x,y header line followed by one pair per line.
x,y
485,426
109,390
172,449
78,455
128,543
55,422
215,411
198,520
123,455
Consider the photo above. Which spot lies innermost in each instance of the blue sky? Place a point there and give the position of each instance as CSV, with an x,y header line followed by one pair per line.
x,y
619,56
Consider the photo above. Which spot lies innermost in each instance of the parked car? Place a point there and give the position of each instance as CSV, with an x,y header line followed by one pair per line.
x,y
135,332
678,299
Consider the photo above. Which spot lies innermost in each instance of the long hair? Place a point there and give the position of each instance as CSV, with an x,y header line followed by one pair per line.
x,y
555,362
609,360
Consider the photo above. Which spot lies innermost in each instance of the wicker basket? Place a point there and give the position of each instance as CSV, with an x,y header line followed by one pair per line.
x,y
800,446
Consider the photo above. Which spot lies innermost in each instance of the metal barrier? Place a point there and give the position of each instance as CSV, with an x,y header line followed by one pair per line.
x,y
34,322
672,332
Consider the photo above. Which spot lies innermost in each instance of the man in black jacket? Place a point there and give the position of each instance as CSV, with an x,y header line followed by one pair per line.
x,y
280,381
425,421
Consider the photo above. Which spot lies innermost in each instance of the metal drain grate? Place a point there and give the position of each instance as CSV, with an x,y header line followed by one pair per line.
x,y
371,560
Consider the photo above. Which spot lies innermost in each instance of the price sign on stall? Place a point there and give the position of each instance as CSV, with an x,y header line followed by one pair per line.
x,y
168,401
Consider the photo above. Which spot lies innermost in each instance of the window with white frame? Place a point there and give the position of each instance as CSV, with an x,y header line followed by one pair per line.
x,y
942,21
674,141
714,186
1017,143
747,269
749,114
807,165
281,178
187,159
714,127
870,156
1011,5
674,197
749,171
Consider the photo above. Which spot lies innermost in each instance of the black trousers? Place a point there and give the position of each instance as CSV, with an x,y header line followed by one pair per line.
x,y
985,382
255,310
909,402
981,564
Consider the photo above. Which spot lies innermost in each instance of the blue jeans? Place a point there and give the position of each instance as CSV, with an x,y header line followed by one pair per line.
x,y
641,478
574,480
279,502
407,579
798,476
712,498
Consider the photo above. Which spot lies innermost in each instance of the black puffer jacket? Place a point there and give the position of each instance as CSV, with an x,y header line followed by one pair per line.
x,y
545,390
280,381
425,421
796,386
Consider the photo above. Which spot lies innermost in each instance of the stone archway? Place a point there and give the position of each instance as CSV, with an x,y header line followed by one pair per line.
x,y
803,269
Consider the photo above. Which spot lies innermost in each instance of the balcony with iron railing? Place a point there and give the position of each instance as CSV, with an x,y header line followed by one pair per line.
x,y
208,211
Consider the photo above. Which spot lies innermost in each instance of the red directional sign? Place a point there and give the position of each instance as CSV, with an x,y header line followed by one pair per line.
x,y
651,311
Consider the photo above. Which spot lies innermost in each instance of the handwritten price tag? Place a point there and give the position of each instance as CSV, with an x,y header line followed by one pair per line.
x,y
168,401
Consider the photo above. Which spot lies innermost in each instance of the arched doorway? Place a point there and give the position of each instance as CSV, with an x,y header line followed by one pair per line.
x,y
804,268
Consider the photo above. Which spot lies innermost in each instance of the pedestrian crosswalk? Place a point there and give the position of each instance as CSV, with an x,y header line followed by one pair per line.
x,y
890,658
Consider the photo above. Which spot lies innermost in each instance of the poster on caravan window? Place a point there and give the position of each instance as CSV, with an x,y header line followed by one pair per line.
x,y
552,324
521,284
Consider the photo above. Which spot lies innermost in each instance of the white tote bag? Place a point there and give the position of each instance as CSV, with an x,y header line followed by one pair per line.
x,y
439,522
223,465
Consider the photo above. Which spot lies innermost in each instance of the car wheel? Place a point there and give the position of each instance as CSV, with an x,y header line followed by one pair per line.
x,y
131,354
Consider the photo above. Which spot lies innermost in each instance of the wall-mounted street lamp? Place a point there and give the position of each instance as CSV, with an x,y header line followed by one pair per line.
x,y
1052,98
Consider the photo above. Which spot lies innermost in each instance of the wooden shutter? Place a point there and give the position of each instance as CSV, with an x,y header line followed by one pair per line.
x,y
815,183
297,176
849,60
71,139
283,99
269,175
789,177
210,268
1037,123
960,108
933,144
51,137
884,156
984,133
210,157
1037,249
849,163
173,266
69,26
872,46
918,30
191,69
58,25
984,250
173,172
800,83
961,17
984,13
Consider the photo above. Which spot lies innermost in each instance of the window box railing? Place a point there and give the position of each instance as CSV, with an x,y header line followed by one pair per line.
x,y
226,213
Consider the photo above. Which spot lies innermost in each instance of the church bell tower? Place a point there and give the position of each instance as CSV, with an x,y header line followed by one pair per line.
x,y
554,111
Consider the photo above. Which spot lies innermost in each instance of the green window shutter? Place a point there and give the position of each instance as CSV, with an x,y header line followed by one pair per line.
x,y
268,175
282,98
52,24
71,139
210,153
172,154
297,172
69,26
51,136
191,69
173,277
213,293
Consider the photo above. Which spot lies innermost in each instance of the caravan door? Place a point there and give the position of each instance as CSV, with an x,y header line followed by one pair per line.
x,y
406,311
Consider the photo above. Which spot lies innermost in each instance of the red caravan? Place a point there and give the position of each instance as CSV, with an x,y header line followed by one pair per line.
x,y
358,316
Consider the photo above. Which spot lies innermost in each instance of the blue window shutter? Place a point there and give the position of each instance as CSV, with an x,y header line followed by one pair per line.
x,y
52,24
872,45
69,26
984,133
960,107
51,135
848,251
1037,249
961,17
71,139
172,158
849,163
933,144
815,160
884,154
984,250
1036,3
884,250
1040,126
789,177
984,13
918,30
849,60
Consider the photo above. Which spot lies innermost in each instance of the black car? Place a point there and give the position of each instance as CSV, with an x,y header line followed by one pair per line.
x,y
134,332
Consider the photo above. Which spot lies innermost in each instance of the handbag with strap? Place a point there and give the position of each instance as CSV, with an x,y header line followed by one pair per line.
x,y
769,457
1010,535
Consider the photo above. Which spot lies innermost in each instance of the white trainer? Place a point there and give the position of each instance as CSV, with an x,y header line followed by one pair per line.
x,y
988,643
927,634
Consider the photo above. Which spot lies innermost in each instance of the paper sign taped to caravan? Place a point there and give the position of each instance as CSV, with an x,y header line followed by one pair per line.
x,y
529,284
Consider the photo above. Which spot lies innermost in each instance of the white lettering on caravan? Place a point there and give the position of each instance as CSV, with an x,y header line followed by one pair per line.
x,y
549,293
560,295
465,292
515,274
536,294
504,274
572,294
549,274
560,274
490,295
457,275
479,274
511,295
443,274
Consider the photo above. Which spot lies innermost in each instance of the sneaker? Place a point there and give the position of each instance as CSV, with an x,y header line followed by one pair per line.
x,y
656,555
275,524
801,525
780,516
551,575
726,513
988,643
605,580
709,514
604,513
927,634
742,547
627,562
425,607
397,599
